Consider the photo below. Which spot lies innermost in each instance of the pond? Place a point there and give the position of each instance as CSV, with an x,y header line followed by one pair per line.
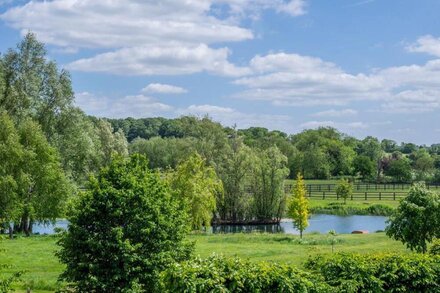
x,y
317,223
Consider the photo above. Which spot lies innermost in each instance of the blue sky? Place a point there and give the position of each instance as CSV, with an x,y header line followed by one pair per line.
x,y
366,67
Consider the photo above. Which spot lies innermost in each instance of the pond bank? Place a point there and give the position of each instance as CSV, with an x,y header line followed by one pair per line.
x,y
341,209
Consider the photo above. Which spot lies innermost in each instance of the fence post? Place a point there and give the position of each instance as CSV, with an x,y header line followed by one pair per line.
x,y
366,197
380,195
394,196
323,195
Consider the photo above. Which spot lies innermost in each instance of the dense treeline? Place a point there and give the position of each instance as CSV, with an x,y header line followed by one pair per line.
x,y
318,154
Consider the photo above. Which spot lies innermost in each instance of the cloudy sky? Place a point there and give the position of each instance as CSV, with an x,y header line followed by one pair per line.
x,y
366,67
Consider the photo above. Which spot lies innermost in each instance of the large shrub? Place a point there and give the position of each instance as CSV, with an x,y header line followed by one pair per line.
x,y
378,273
123,231
220,274
417,219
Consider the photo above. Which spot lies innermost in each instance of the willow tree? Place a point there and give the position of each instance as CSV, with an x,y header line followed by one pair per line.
x,y
270,172
298,208
197,184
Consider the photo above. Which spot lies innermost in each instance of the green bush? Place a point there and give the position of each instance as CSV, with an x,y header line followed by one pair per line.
x,y
378,273
435,248
219,274
123,231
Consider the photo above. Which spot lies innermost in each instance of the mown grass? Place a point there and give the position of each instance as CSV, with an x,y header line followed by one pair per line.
x,y
35,255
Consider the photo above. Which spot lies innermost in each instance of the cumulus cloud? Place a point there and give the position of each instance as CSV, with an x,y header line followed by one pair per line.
x,y
344,126
229,116
160,88
136,106
144,37
295,80
336,113
426,44
164,60
292,79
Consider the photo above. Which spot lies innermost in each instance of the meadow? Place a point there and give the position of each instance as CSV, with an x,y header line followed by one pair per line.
x,y
35,255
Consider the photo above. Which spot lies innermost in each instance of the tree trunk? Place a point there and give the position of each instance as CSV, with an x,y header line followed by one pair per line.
x,y
300,234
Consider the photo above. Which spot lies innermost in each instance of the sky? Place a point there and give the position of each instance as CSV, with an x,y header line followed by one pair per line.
x,y
365,67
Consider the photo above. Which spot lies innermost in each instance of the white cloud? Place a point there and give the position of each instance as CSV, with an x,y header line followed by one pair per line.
x,y
426,44
292,79
137,106
230,117
160,88
339,125
165,60
336,113
295,80
144,37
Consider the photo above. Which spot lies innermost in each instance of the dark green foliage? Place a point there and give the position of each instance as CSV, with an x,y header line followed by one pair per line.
x,y
364,166
400,170
124,230
435,248
378,273
417,219
219,274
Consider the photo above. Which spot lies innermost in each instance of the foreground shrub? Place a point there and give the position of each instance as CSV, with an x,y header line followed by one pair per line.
x,y
123,231
435,248
219,274
378,273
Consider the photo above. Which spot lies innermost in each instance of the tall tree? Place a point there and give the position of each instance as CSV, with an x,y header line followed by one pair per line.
x,y
33,185
235,171
125,230
298,208
197,184
267,185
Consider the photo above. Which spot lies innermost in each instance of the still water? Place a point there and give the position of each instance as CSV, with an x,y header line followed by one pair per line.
x,y
317,223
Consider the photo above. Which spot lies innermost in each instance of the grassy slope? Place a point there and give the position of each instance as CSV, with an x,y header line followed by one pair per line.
x,y
36,254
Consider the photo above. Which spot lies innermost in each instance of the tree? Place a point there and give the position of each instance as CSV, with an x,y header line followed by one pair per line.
x,y
197,184
11,154
315,164
344,189
423,163
234,170
371,148
298,208
417,219
364,166
111,141
124,230
32,183
400,170
269,174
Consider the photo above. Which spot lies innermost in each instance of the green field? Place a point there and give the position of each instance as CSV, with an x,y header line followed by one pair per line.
x,y
35,255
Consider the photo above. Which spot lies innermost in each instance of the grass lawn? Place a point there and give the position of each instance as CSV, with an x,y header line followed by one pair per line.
x,y
35,255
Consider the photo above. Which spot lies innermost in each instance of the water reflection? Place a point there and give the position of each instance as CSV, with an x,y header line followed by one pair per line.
x,y
317,223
